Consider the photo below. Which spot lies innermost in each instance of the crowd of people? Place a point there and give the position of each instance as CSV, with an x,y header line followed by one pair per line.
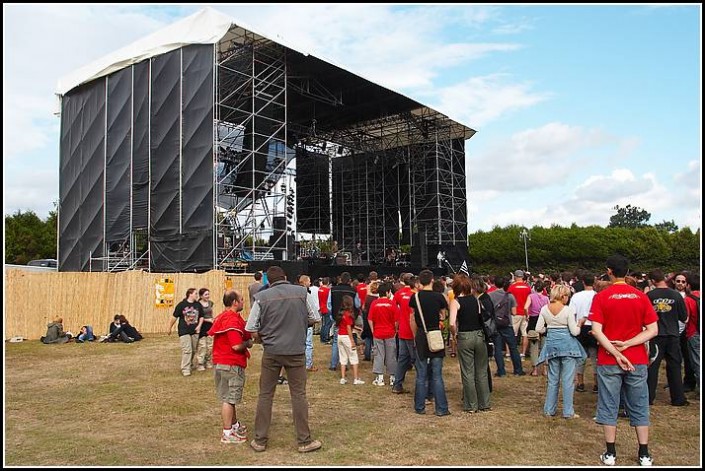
x,y
624,325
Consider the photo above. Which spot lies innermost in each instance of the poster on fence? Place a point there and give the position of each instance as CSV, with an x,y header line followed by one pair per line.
x,y
229,283
164,292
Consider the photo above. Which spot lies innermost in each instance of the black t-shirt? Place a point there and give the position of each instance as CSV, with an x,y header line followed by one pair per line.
x,y
431,303
670,307
468,314
188,315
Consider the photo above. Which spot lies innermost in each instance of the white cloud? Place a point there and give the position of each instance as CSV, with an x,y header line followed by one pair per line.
x,y
27,123
397,48
691,180
537,158
32,190
480,100
516,27
620,184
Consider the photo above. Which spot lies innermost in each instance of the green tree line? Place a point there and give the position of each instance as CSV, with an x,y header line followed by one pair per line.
x,y
27,237
559,248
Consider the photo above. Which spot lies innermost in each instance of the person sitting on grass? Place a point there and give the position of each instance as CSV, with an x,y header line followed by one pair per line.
x,y
55,332
117,331
86,334
132,332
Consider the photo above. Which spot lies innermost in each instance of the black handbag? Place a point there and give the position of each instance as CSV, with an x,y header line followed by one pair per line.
x,y
489,325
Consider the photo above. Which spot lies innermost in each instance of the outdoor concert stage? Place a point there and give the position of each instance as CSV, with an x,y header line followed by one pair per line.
x,y
316,270
207,140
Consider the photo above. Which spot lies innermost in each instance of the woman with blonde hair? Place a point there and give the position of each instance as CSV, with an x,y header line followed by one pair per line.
x,y
55,332
561,351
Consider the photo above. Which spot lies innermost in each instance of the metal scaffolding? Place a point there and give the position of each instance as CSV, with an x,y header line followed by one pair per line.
x,y
384,170
251,153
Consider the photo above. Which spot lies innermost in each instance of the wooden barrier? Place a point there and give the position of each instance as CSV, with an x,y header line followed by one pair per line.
x,y
33,299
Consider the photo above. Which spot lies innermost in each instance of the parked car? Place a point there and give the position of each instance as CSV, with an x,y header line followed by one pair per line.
x,y
44,262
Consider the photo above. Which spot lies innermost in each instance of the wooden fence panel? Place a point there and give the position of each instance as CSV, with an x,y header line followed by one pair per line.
x,y
33,299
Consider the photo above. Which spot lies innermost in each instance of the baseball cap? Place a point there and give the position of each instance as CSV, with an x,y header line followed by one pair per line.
x,y
519,274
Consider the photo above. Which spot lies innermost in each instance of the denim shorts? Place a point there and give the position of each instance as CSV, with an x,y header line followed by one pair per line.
x,y
612,381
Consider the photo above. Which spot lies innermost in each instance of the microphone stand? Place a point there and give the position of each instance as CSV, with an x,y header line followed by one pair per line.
x,y
451,266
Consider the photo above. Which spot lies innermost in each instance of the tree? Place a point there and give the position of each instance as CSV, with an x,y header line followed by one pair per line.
x,y
668,226
630,217
27,237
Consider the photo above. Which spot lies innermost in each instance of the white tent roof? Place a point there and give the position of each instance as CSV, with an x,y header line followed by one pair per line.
x,y
207,26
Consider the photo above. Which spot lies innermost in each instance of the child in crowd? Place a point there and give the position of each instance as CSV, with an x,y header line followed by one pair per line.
x,y
346,343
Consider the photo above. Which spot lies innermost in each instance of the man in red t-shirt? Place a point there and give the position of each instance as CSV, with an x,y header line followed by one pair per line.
x,y
692,327
407,348
521,291
361,288
230,353
623,320
382,319
326,318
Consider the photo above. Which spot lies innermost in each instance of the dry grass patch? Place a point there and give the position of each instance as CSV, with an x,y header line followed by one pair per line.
x,y
118,404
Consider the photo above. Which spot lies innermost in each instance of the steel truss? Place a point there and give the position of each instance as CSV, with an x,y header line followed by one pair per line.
x,y
396,177
251,154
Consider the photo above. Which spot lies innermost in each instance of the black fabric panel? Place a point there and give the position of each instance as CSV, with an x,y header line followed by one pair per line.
x,y
92,174
140,146
165,204
69,176
312,192
197,156
117,168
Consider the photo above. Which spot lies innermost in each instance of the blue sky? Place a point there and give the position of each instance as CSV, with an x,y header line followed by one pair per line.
x,y
577,108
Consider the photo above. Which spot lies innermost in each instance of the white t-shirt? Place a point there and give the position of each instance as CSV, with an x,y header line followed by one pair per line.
x,y
581,302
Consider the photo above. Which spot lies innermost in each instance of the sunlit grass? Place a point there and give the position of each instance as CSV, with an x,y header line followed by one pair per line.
x,y
118,404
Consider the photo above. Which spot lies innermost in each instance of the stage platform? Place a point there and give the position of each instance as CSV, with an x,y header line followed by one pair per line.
x,y
317,270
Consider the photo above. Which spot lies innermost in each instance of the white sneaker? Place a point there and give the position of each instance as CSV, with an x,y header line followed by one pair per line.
x,y
646,461
343,381
378,382
358,381
201,368
608,459
391,380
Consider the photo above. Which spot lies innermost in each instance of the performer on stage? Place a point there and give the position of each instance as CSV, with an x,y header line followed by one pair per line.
x,y
441,258
357,254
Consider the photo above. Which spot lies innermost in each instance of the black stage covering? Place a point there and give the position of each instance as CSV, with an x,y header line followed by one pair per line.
x,y
128,156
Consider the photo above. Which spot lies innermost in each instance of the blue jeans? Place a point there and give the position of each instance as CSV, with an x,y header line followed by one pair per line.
x,y
561,369
309,347
334,356
368,348
613,382
327,323
506,334
422,369
406,355
694,352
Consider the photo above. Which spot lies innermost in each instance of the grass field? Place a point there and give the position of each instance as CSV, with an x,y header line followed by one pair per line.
x,y
128,405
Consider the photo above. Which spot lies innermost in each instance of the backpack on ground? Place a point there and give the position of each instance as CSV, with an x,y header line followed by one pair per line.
x,y
502,313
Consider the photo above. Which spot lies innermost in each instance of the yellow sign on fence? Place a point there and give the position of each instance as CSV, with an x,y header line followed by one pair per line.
x,y
164,292
228,283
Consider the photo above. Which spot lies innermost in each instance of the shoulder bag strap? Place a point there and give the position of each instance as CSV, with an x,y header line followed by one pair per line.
x,y
418,304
